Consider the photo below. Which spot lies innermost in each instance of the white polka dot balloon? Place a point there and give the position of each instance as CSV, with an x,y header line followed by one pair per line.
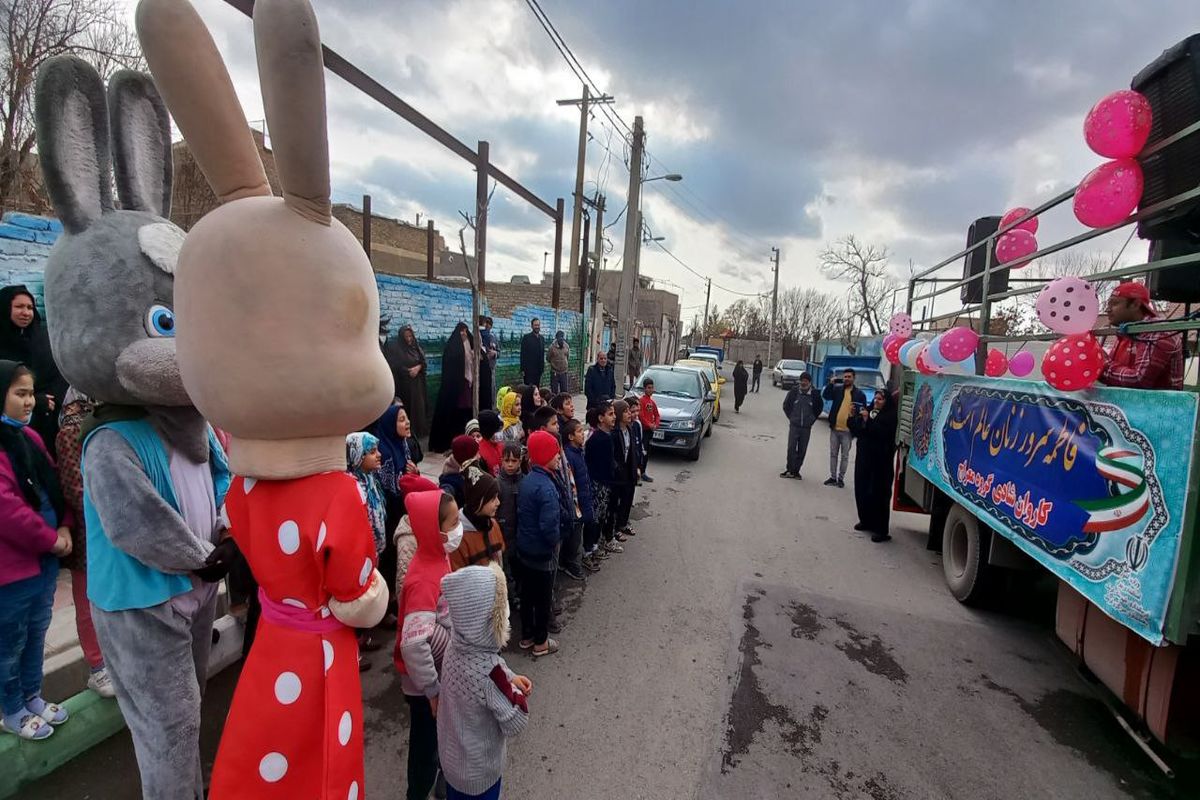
x,y
1068,305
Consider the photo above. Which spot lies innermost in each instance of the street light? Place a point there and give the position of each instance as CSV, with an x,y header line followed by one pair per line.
x,y
673,177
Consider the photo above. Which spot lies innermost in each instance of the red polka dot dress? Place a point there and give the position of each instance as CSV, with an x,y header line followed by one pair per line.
x,y
295,729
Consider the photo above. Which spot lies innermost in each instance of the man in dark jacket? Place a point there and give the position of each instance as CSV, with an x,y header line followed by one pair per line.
x,y
802,406
533,354
600,383
847,400
756,377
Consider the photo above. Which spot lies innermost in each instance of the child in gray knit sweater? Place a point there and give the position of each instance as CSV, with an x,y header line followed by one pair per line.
x,y
482,701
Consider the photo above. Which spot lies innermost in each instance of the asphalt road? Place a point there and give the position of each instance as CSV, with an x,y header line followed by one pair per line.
x,y
749,644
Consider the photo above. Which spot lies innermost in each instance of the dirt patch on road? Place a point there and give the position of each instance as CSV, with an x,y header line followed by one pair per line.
x,y
751,710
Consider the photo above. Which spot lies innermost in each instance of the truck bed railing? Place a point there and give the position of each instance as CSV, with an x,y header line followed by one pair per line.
x,y
926,286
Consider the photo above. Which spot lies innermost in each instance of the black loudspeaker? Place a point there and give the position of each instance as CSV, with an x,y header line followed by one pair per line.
x,y
1172,85
975,262
1176,284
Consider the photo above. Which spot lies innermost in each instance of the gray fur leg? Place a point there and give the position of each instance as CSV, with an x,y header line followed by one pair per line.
x,y
151,655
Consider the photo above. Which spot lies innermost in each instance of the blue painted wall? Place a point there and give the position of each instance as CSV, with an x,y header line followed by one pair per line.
x,y
433,309
25,242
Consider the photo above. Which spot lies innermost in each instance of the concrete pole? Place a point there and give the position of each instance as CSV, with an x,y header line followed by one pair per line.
x,y
707,294
558,232
577,212
626,310
774,305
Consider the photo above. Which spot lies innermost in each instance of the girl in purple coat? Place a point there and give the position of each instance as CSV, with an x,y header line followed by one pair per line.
x,y
34,531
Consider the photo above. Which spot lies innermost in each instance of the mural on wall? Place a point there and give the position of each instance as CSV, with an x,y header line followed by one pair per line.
x,y
25,243
433,309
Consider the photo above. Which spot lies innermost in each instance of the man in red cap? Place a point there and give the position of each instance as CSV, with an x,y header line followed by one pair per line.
x,y
1152,360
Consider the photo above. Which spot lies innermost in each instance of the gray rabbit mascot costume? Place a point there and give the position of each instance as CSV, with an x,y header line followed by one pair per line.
x,y
154,475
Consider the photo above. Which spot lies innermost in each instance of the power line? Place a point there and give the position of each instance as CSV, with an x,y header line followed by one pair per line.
x,y
684,264
576,66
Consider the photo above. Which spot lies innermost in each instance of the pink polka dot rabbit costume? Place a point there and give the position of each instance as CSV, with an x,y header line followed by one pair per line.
x,y
277,315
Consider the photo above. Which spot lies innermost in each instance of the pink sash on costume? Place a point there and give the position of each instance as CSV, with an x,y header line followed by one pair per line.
x,y
296,619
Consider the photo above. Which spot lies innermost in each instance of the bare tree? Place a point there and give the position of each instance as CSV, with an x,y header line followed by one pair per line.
x,y
34,31
865,267
1019,315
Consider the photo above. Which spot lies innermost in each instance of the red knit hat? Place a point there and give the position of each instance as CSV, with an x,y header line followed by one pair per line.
x,y
543,447
464,448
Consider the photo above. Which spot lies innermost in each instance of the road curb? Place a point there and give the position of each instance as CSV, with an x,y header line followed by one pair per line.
x,y
93,719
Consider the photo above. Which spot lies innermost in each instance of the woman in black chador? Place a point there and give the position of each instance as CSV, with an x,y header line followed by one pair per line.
x,y
454,402
874,465
409,368
741,381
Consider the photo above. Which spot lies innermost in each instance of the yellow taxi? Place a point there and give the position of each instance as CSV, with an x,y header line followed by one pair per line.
x,y
709,370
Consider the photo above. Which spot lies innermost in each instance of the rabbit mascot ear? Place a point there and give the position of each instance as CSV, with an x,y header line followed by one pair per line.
x,y
147,453
278,316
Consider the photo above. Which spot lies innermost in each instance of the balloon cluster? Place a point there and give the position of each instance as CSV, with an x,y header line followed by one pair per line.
x,y
1070,306
1018,242
952,352
1116,128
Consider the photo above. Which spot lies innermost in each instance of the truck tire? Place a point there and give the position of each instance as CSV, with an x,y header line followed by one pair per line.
x,y
965,545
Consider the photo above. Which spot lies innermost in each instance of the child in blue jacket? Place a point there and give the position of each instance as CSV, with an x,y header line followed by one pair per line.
x,y
542,513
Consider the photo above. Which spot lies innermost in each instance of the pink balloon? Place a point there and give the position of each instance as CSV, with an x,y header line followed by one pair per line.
x,y
958,344
996,364
1068,306
923,365
1021,364
1109,193
1014,214
891,350
901,324
1073,362
1119,125
1015,244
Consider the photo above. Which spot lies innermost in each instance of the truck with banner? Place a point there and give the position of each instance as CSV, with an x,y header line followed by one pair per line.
x,y
1022,456
1098,487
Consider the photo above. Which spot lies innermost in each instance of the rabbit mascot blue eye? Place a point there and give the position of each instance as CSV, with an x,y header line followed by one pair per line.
x,y
154,474
278,315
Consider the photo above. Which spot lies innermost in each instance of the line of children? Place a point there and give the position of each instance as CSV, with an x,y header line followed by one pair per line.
x,y
539,495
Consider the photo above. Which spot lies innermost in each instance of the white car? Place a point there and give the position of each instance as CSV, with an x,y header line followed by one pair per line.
x,y
787,372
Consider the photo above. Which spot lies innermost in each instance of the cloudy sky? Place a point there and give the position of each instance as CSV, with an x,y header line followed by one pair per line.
x,y
794,123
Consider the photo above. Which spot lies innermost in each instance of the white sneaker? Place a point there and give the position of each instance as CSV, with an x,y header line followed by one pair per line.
x,y
101,683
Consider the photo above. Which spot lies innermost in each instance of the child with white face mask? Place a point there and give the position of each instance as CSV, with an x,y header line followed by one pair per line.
x,y
424,623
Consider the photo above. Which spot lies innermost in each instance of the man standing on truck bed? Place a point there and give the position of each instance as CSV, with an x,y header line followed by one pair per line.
x,y
846,400
1152,360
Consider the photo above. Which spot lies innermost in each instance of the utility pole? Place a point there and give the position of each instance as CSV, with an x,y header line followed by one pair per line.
x,y
774,304
626,310
707,293
584,104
